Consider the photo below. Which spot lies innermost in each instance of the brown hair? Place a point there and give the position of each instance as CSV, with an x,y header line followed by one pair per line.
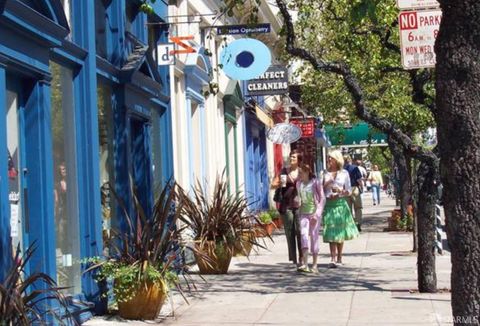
x,y
307,168
299,155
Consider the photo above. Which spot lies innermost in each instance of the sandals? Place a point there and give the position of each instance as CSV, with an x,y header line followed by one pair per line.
x,y
304,269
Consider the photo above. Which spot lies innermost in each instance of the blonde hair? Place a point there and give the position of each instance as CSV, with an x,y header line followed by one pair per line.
x,y
338,157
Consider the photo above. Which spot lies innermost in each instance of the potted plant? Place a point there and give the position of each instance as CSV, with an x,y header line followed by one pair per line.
x,y
28,299
142,257
277,220
217,221
266,224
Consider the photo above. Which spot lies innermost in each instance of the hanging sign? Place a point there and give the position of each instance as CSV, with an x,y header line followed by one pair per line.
x,y
284,133
165,54
245,59
272,82
178,40
417,4
418,31
243,29
307,126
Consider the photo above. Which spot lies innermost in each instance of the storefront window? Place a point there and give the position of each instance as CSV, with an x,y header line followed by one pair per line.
x,y
197,141
101,24
156,151
65,180
67,7
105,137
232,149
14,180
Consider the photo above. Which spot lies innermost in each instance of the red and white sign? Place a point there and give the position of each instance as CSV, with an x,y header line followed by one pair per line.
x,y
417,4
307,126
418,31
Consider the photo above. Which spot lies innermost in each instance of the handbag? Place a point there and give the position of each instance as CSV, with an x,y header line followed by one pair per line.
x,y
278,195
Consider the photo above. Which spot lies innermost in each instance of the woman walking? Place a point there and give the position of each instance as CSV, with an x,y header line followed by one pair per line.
x,y
376,181
338,223
288,205
312,201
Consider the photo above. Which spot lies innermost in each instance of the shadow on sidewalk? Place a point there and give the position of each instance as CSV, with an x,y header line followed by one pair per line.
x,y
283,278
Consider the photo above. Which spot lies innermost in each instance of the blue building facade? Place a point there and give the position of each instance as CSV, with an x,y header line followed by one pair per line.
x,y
85,108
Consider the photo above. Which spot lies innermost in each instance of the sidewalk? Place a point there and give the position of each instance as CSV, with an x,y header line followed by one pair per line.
x,y
374,287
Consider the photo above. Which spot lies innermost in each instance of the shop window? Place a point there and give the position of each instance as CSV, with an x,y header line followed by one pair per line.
x,y
232,153
197,141
67,7
14,177
105,137
65,180
156,150
101,25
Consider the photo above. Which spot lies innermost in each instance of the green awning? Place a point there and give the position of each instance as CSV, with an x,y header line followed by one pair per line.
x,y
358,135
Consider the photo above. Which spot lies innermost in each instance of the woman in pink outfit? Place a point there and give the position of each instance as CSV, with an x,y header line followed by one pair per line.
x,y
312,201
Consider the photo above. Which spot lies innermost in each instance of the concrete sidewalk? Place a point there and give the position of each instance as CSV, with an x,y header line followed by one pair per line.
x,y
375,286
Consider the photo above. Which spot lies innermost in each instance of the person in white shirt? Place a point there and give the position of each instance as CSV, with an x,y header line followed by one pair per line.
x,y
376,180
338,223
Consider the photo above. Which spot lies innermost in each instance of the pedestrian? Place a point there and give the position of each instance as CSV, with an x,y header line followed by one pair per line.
x,y
355,199
288,205
376,181
312,201
362,169
338,223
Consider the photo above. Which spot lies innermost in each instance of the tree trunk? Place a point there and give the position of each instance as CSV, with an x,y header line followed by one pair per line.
x,y
458,131
427,197
405,184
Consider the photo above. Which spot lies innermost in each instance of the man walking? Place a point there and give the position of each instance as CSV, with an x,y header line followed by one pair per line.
x,y
356,181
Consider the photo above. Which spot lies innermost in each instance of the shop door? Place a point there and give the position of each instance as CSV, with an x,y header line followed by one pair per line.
x,y
141,162
17,175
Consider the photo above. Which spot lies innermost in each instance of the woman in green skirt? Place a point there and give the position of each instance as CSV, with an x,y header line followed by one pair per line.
x,y
338,223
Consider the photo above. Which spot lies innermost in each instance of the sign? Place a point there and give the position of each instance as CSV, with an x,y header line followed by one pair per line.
x,y
274,81
418,31
358,135
416,4
178,40
165,56
243,29
307,126
284,133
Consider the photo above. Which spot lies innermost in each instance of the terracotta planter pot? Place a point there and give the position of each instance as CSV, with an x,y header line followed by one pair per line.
x,y
219,255
243,246
265,229
278,222
393,220
146,304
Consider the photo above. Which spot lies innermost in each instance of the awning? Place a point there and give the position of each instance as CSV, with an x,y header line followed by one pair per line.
x,y
358,135
264,117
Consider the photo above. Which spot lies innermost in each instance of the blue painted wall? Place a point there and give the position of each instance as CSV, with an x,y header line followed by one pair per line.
x,y
28,41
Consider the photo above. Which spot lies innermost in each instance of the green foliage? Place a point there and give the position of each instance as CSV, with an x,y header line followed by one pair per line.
x,y
405,223
219,217
382,157
26,299
273,213
363,34
265,217
148,248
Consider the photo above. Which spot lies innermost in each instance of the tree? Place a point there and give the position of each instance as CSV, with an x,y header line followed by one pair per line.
x,y
364,108
458,129
365,36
